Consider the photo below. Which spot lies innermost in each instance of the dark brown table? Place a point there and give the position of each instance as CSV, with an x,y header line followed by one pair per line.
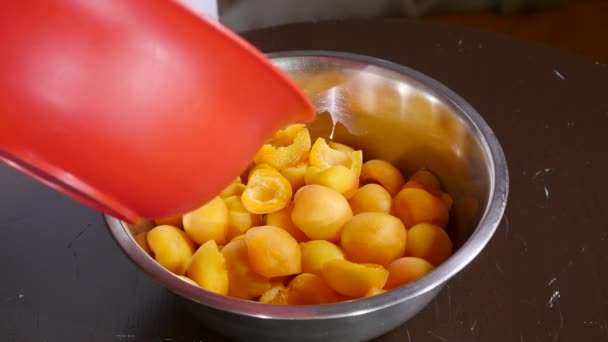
x,y
543,277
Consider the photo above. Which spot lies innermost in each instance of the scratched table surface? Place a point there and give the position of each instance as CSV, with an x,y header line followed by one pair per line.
x,y
543,277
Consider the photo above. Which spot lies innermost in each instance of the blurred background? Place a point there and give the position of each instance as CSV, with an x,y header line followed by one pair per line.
x,y
579,26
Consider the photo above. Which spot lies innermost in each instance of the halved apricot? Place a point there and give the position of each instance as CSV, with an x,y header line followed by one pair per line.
x,y
316,253
282,219
175,221
267,191
340,147
188,280
351,279
405,270
309,289
425,179
383,173
413,206
272,251
295,176
142,241
209,222
323,157
339,178
376,238
371,198
287,148
207,268
374,291
235,188
274,295
320,212
429,242
239,218
171,247
243,281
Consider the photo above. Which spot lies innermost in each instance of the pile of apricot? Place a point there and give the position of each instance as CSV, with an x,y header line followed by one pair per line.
x,y
308,224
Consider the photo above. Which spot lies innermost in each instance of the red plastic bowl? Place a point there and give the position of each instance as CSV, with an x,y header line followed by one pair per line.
x,y
136,108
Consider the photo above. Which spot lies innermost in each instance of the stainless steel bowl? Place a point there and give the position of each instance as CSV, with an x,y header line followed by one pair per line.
x,y
394,113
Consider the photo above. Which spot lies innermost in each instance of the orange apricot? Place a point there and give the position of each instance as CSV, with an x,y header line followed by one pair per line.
x,y
320,212
235,188
425,179
339,178
374,291
323,156
142,241
282,219
188,280
429,242
209,222
376,238
295,175
239,218
383,173
316,253
413,206
351,279
309,289
405,270
207,268
174,220
273,252
172,248
274,295
287,148
243,281
267,191
371,198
